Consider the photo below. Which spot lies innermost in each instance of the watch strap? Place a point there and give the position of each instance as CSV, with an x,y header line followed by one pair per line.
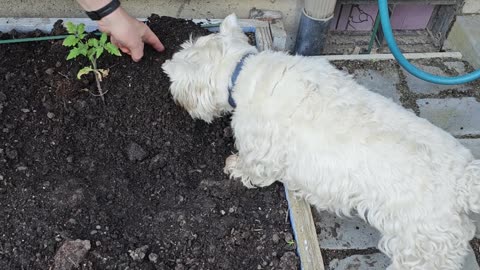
x,y
104,11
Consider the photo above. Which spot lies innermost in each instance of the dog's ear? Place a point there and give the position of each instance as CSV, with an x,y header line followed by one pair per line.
x,y
230,25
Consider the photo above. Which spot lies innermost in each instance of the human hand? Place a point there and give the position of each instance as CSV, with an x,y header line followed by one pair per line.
x,y
129,34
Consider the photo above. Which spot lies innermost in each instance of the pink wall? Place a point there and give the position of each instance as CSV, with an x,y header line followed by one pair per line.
x,y
411,17
362,17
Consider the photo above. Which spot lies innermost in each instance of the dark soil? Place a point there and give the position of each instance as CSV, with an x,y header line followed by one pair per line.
x,y
137,177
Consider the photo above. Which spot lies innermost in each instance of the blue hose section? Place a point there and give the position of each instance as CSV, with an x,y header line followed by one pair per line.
x,y
387,31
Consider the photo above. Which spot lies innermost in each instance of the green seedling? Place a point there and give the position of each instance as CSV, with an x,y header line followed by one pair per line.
x,y
91,48
291,243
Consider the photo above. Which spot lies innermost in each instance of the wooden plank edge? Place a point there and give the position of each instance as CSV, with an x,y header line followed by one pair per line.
x,y
305,233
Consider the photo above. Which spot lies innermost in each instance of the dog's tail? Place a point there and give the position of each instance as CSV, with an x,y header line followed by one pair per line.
x,y
471,188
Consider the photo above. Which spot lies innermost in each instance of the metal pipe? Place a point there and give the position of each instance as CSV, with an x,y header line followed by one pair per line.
x,y
320,9
313,27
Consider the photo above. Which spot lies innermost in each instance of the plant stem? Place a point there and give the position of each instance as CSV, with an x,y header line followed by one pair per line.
x,y
97,79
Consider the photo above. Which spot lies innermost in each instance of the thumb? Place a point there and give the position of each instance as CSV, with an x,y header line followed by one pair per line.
x,y
137,52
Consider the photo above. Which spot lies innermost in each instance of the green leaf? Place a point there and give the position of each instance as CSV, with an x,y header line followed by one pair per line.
x,y
83,48
73,53
84,71
99,52
81,36
80,28
112,49
70,41
93,42
71,28
103,39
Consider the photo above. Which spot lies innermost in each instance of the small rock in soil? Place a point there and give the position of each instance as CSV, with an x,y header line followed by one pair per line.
x,y
22,168
3,97
288,261
275,238
136,152
9,75
50,115
157,162
153,257
227,132
49,71
288,237
58,64
139,253
11,153
71,254
72,221
80,105
179,267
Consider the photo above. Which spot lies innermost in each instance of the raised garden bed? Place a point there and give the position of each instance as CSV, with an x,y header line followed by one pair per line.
x,y
136,177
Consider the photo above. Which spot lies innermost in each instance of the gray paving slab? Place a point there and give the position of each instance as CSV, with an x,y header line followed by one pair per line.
x,y
376,261
473,145
379,261
458,66
470,261
419,86
382,82
345,233
459,116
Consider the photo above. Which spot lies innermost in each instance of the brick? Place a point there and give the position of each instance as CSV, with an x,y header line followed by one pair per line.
x,y
382,82
473,145
419,86
345,233
376,261
459,116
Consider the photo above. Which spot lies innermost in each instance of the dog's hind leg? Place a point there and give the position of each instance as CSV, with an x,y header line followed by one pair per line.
x,y
421,246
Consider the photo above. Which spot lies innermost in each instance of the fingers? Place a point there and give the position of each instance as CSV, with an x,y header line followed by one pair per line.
x,y
133,45
150,38
137,52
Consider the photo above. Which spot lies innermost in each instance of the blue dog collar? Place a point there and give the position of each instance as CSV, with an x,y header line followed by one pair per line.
x,y
233,81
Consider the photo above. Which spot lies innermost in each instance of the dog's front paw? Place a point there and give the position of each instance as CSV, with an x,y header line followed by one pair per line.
x,y
230,163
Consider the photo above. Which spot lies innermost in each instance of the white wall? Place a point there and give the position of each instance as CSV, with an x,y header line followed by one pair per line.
x,y
471,6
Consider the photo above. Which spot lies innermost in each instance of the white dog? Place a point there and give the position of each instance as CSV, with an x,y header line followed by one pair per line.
x,y
300,121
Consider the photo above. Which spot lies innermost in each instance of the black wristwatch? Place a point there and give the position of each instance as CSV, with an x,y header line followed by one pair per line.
x,y
104,11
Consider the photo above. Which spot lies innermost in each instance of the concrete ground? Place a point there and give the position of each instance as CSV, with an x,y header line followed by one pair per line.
x,y
453,108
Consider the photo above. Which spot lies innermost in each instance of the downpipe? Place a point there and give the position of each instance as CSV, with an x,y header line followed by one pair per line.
x,y
313,28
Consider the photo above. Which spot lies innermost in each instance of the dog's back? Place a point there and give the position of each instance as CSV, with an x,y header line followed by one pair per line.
x,y
371,141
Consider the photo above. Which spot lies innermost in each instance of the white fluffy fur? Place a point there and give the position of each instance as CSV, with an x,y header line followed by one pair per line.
x,y
346,149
